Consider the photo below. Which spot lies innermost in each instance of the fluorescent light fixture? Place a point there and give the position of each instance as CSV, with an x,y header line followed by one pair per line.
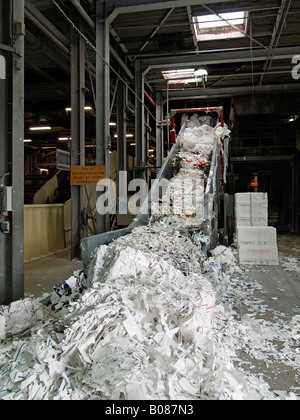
x,y
184,76
132,144
64,138
127,135
40,128
178,74
112,124
185,81
43,170
27,141
223,26
87,108
151,150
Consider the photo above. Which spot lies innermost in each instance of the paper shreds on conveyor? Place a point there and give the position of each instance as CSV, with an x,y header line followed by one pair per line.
x,y
153,319
183,202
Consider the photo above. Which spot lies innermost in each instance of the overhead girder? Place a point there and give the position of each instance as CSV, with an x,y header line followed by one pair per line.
x,y
235,56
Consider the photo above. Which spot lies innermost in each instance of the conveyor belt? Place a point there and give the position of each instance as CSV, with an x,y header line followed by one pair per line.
x,y
93,242
211,198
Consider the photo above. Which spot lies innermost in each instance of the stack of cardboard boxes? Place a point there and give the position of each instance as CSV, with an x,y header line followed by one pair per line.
x,y
257,242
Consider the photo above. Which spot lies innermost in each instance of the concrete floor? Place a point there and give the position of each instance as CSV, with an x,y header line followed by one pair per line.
x,y
44,273
281,295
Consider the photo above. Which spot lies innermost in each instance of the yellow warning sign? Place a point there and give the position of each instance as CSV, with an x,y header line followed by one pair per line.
x,y
87,175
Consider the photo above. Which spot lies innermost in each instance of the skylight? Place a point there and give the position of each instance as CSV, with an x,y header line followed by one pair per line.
x,y
212,27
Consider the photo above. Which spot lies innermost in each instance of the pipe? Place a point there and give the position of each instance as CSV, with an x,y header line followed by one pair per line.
x,y
35,13
149,98
46,31
83,13
115,55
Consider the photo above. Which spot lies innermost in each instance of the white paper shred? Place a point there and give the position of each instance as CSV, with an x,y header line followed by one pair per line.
x,y
154,318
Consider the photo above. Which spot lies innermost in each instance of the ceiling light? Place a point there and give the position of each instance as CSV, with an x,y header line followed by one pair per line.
x,y
151,150
185,75
112,124
27,141
87,108
132,144
127,135
185,81
201,72
64,138
178,74
40,128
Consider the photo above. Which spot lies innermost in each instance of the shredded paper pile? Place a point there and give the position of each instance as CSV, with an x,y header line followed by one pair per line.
x,y
152,319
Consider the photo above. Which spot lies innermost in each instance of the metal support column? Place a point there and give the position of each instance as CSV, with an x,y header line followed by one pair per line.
x,y
140,139
102,100
159,130
5,240
18,153
77,133
12,148
122,149
121,130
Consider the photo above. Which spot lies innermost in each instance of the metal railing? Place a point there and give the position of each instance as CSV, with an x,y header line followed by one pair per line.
x,y
263,152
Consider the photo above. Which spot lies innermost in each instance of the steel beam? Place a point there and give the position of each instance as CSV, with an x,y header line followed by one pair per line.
x,y
132,6
159,130
208,58
18,153
102,101
198,93
5,240
77,134
140,139
12,150
121,130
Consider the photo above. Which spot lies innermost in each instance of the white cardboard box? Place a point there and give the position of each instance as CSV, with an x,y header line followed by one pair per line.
x,y
251,209
251,221
251,199
258,255
256,235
